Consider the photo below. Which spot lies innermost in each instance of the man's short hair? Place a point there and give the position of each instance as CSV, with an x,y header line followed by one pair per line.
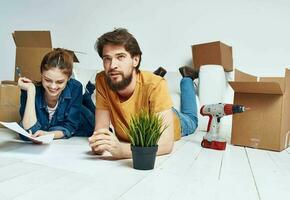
x,y
119,36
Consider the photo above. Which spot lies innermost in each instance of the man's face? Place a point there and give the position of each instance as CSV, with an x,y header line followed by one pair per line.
x,y
119,66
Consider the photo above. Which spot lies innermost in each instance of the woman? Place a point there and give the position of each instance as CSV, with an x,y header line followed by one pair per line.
x,y
56,105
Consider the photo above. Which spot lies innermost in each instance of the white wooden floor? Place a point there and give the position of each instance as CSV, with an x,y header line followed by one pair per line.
x,y
65,169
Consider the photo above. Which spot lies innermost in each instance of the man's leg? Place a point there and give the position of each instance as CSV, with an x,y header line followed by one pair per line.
x,y
188,108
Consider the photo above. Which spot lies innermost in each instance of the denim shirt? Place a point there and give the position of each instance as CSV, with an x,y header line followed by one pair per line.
x,y
67,115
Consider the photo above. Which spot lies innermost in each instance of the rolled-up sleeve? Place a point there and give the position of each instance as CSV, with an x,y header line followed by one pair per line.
x,y
66,132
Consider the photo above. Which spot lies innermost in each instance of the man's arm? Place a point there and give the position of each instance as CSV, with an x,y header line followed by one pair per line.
x,y
165,143
103,139
102,119
102,122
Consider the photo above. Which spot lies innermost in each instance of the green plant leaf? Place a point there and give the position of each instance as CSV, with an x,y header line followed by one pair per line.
x,y
145,129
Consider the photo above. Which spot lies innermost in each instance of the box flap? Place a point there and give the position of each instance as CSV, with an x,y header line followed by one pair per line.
x,y
244,77
214,43
75,58
40,39
256,87
6,82
279,80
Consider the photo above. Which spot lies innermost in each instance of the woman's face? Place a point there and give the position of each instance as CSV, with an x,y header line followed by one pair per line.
x,y
54,81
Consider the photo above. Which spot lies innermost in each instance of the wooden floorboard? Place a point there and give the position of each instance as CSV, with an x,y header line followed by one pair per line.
x,y
272,182
66,170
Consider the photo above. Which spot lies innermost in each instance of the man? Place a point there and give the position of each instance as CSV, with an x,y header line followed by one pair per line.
x,y
123,90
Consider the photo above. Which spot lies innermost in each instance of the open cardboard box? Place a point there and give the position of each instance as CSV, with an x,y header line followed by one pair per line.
x,y
267,124
9,102
213,53
31,47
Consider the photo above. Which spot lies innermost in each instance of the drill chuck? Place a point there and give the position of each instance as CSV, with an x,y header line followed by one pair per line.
x,y
230,109
238,109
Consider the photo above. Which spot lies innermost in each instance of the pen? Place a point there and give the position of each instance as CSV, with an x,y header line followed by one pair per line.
x,y
18,72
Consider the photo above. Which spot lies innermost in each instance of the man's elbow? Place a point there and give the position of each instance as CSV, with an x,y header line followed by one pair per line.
x,y
165,148
170,147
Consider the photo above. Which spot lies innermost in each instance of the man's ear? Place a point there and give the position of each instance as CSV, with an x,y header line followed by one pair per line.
x,y
136,60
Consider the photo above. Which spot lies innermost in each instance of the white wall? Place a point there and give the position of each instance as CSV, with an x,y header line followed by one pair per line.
x,y
258,30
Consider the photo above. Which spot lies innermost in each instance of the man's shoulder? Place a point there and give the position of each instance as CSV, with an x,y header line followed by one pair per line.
x,y
149,77
100,76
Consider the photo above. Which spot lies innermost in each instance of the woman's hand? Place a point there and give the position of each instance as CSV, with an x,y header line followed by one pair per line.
x,y
25,84
39,133
34,141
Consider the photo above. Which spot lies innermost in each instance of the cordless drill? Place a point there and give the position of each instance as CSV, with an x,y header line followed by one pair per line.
x,y
212,140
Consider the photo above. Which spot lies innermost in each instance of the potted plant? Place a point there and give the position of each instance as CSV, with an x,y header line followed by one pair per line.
x,y
145,129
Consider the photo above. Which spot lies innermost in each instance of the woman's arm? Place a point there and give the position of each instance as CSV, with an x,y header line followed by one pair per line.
x,y
29,117
57,134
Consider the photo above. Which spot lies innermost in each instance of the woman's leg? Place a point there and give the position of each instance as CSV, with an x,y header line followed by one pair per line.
x,y
87,123
87,97
87,120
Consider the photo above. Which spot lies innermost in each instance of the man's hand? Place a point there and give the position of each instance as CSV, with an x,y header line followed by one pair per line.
x,y
104,140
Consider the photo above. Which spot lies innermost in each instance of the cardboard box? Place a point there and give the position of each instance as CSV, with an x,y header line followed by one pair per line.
x,y
31,47
216,53
9,102
267,124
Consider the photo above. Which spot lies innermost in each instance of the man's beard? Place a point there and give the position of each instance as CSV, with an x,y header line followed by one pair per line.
x,y
120,85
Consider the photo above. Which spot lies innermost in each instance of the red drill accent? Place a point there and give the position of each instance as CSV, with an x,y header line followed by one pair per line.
x,y
228,109
210,118
213,145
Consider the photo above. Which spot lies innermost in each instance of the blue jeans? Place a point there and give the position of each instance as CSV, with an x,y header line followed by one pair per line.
x,y
87,119
188,108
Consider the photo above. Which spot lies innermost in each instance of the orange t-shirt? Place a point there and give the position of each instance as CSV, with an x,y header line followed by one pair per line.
x,y
151,94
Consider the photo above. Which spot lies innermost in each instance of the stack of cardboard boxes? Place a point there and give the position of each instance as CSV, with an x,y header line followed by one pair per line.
x,y
9,101
31,46
267,124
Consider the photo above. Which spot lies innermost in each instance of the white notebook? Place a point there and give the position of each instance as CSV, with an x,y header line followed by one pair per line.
x,y
44,139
